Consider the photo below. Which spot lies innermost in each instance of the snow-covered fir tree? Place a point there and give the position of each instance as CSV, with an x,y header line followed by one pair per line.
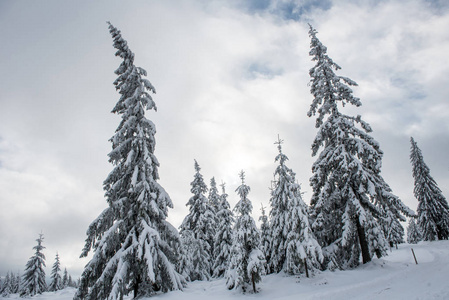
x,y
247,264
14,282
292,240
214,205
134,247
433,209
56,283
6,287
200,222
33,279
65,279
265,234
413,232
223,236
348,190
393,229
72,283
185,260
214,196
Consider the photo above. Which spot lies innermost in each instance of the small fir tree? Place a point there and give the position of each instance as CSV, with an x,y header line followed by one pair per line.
x,y
223,237
214,196
16,286
265,235
200,222
71,283
413,232
433,209
293,243
6,286
56,283
393,230
185,261
348,190
214,205
33,280
65,279
134,246
247,263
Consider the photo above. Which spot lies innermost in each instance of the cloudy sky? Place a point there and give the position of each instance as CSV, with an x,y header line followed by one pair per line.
x,y
230,76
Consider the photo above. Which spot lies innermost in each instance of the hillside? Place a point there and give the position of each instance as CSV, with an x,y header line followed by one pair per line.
x,y
393,277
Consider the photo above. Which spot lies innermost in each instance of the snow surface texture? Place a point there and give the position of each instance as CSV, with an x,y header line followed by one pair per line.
x,y
395,276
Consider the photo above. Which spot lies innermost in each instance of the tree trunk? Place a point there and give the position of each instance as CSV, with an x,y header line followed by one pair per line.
x,y
136,287
363,243
254,284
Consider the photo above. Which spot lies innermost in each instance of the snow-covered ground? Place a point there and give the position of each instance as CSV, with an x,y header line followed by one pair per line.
x,y
393,277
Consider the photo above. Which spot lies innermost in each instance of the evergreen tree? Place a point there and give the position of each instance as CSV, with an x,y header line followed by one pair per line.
x,y
223,237
214,196
214,205
6,287
65,279
393,230
348,190
56,283
16,284
413,232
200,222
185,261
33,280
265,235
292,241
433,209
247,261
133,244
71,283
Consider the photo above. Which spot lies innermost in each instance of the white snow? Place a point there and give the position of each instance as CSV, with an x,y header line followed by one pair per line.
x,y
393,277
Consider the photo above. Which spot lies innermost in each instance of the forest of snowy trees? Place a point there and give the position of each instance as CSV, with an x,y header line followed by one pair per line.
x,y
353,214
33,281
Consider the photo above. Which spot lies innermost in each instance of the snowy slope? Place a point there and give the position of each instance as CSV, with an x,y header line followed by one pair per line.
x,y
393,277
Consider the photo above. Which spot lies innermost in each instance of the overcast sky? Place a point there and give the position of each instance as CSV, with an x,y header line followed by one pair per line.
x,y
230,76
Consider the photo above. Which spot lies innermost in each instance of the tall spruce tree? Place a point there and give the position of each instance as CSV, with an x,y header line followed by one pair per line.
x,y
292,240
33,280
134,246
247,263
56,283
200,223
433,209
349,193
223,236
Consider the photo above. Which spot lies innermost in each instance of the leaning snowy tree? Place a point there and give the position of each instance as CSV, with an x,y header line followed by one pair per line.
x,y
33,280
247,263
56,283
292,242
433,209
349,193
134,246
223,236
